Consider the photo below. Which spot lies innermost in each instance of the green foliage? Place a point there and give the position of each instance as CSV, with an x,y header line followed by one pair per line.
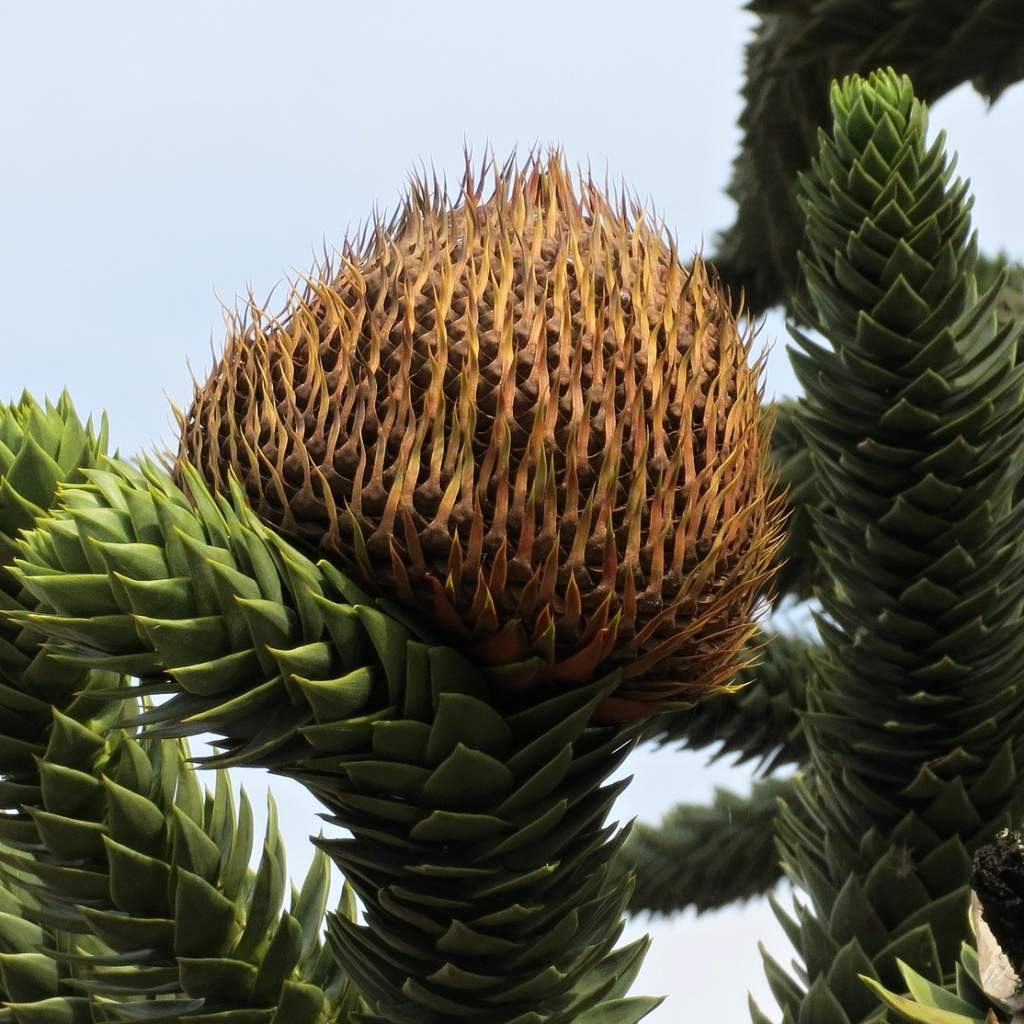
x,y
964,1002
798,573
131,853
41,448
914,419
479,846
1009,275
127,891
708,857
762,721
29,979
477,838
798,48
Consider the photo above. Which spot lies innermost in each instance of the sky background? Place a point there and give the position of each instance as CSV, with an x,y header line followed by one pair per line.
x,y
158,160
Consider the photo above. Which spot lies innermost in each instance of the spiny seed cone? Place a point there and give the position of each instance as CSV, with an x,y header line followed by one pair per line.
x,y
522,416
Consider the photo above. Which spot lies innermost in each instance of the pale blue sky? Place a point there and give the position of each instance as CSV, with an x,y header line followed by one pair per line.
x,y
157,156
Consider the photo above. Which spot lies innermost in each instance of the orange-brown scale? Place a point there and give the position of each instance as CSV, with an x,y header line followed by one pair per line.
x,y
523,417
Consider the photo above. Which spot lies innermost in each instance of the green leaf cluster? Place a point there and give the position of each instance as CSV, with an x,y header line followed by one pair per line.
x,y
127,890
479,850
42,447
962,1002
477,835
904,464
707,857
797,48
155,873
913,414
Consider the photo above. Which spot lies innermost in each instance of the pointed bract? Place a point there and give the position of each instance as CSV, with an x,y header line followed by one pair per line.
x,y
519,415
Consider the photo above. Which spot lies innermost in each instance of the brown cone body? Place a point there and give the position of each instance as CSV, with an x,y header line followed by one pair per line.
x,y
521,416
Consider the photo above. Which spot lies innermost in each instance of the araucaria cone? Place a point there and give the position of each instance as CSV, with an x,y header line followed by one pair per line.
x,y
520,415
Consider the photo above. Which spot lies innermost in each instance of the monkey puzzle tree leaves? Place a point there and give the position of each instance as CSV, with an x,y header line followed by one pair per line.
x,y
707,857
798,572
477,837
444,539
133,855
33,984
913,413
127,891
761,720
41,447
798,48
988,980
927,1003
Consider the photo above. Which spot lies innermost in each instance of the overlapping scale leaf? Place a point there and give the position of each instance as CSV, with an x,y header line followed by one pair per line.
x,y
480,852
153,877
879,895
33,984
89,819
41,447
708,857
992,270
797,48
245,636
479,845
913,415
798,571
915,421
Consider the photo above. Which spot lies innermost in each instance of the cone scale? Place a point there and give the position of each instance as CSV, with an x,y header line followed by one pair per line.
x,y
520,416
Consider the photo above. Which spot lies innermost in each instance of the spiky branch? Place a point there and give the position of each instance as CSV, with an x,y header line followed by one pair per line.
x,y
707,857
914,417
798,47
760,722
798,573
479,848
128,890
